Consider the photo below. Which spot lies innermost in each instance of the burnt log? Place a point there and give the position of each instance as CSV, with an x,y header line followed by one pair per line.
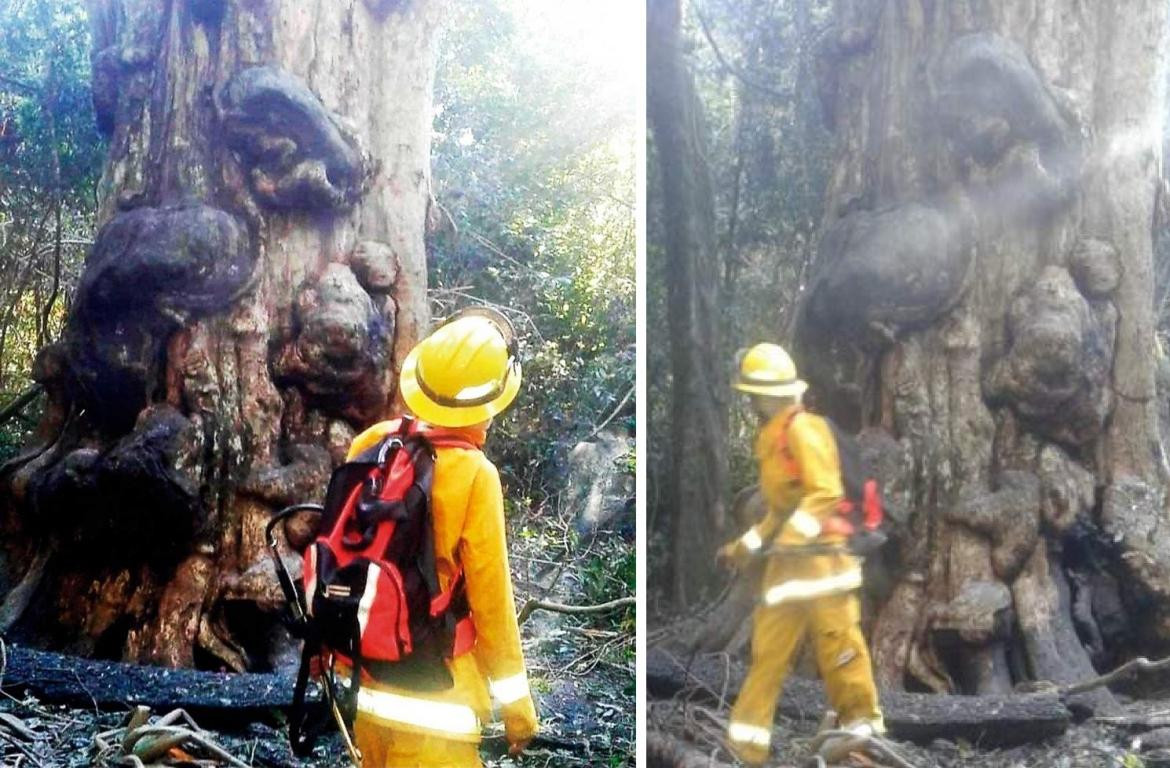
x,y
59,678
986,721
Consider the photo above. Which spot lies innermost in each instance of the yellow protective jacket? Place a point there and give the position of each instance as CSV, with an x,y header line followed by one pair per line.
x,y
800,480
467,508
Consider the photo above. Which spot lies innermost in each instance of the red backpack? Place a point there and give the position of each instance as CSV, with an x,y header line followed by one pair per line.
x,y
861,512
371,591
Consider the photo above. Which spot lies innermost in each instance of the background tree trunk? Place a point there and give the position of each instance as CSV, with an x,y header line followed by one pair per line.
x,y
982,306
698,379
258,274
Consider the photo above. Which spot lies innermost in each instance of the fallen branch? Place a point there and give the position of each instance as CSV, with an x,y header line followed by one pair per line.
x,y
605,422
670,752
17,84
573,610
498,745
1141,663
1144,722
66,679
20,403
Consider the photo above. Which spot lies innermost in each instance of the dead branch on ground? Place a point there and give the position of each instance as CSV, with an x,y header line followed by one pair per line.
x,y
1141,663
573,610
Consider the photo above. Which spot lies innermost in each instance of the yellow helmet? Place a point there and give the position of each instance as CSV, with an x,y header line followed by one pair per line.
x,y
766,369
465,372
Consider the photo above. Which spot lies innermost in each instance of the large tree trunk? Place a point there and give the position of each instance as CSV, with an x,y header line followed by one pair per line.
x,y
258,274
698,385
982,307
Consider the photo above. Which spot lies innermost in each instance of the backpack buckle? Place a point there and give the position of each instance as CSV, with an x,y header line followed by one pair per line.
x,y
385,451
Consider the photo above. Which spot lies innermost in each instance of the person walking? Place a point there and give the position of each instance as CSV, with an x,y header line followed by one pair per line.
x,y
811,593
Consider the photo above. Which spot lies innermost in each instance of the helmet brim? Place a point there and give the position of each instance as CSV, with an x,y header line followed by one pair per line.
x,y
788,389
451,416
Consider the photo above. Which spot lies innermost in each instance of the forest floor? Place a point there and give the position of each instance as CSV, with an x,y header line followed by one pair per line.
x,y
581,670
691,725
1091,744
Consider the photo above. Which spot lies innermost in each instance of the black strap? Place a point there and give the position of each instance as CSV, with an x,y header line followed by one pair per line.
x,y
422,483
296,611
457,610
300,737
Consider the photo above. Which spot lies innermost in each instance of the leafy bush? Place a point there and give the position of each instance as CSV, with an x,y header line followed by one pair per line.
x,y
537,175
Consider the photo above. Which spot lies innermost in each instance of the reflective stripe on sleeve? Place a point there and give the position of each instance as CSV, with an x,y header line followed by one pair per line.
x,y
455,719
803,589
752,540
745,733
510,689
805,524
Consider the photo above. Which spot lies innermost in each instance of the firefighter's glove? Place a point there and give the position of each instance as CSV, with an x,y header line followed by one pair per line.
x,y
520,724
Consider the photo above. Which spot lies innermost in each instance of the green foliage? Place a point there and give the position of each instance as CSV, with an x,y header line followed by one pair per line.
x,y
14,432
534,162
46,106
609,576
50,163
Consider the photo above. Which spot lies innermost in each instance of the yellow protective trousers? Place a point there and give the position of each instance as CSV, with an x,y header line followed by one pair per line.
x,y
833,624
383,747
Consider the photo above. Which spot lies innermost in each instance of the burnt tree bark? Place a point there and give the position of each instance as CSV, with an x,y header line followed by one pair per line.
x,y
698,385
981,308
258,273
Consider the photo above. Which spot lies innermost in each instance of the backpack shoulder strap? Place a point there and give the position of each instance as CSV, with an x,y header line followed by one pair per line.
x,y
785,449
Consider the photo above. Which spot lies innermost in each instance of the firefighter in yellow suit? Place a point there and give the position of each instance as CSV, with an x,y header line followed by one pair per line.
x,y
457,379
803,595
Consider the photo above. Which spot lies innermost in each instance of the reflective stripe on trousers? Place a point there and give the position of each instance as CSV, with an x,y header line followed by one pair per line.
x,y
746,733
436,716
803,589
